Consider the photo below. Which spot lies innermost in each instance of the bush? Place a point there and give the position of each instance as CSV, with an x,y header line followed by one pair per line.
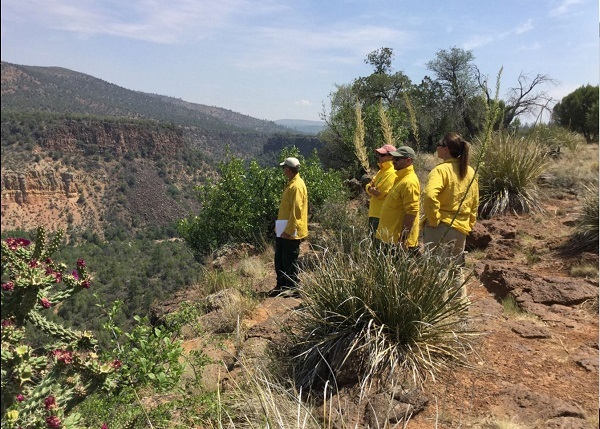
x,y
378,313
508,175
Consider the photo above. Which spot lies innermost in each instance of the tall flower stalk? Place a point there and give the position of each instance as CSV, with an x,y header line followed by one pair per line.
x,y
386,127
359,139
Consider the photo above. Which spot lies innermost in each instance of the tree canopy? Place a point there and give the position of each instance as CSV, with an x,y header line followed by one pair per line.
x,y
578,111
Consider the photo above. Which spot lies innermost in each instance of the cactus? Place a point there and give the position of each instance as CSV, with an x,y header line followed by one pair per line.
x,y
40,387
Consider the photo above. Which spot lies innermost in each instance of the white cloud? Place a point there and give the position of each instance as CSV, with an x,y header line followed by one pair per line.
x,y
533,47
563,8
523,28
477,41
303,48
303,103
149,20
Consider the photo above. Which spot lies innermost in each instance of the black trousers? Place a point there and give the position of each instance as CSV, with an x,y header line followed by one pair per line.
x,y
286,262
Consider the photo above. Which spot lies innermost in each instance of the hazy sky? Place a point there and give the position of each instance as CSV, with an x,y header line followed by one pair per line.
x,y
280,59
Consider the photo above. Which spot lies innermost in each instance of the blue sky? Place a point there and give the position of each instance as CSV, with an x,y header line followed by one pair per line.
x,y
280,59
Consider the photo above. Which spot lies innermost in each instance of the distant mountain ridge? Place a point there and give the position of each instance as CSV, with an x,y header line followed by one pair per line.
x,y
60,90
302,125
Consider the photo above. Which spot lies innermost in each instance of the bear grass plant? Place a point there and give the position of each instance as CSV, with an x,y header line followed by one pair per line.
x,y
510,168
381,313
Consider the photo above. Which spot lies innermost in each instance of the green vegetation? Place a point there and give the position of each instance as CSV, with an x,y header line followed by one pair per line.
x,y
387,313
508,174
578,112
42,385
241,205
455,98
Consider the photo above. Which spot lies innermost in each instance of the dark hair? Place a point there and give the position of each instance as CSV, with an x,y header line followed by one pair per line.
x,y
458,148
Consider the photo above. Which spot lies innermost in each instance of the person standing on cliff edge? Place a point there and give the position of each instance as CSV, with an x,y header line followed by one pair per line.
x,y
291,228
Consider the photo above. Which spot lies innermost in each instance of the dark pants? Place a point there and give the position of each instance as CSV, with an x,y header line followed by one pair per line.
x,y
373,225
286,262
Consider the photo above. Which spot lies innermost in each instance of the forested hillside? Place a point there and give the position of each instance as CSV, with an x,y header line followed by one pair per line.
x,y
130,159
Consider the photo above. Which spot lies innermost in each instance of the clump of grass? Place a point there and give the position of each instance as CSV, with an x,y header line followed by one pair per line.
x,y
213,281
495,423
508,175
259,400
511,307
584,270
586,235
384,313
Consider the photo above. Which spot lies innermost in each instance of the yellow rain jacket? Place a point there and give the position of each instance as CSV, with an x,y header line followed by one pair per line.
x,y
294,208
384,180
443,194
402,199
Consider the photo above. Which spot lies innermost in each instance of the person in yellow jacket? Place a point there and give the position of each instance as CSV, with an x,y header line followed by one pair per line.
x,y
293,221
451,200
378,188
397,225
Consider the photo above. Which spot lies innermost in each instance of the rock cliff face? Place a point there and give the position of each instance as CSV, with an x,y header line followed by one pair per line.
x,y
87,175
25,188
119,139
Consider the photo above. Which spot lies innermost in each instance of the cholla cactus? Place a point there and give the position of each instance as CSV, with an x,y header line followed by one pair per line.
x,y
40,387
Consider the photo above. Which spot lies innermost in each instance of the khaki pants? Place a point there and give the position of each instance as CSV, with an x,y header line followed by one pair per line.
x,y
452,245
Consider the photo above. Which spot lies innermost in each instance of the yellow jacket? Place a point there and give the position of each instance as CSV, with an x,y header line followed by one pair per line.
x,y
402,199
384,180
294,208
443,194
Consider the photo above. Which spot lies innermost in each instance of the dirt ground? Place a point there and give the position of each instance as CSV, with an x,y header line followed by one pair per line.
x,y
540,368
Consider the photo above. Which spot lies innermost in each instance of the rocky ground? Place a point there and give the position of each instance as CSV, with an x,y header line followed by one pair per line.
x,y
533,369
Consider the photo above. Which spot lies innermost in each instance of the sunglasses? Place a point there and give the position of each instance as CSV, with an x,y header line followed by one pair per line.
x,y
383,154
441,145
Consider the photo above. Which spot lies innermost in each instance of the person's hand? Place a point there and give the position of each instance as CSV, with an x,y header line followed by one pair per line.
x,y
375,191
286,236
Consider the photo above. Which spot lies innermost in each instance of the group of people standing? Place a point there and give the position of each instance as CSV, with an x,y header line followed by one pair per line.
x,y
450,202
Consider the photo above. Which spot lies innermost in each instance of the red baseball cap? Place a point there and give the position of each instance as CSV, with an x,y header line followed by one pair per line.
x,y
386,148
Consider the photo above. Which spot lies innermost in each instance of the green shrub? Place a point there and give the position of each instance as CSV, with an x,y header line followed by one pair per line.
x,y
382,313
508,175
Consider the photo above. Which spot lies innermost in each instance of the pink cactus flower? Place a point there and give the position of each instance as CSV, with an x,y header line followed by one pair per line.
x,y
44,302
53,422
8,286
50,403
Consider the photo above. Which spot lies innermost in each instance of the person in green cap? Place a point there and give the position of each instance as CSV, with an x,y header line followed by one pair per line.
x,y
397,222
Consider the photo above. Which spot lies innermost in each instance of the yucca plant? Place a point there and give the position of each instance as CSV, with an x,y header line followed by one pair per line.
x,y
379,313
508,175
